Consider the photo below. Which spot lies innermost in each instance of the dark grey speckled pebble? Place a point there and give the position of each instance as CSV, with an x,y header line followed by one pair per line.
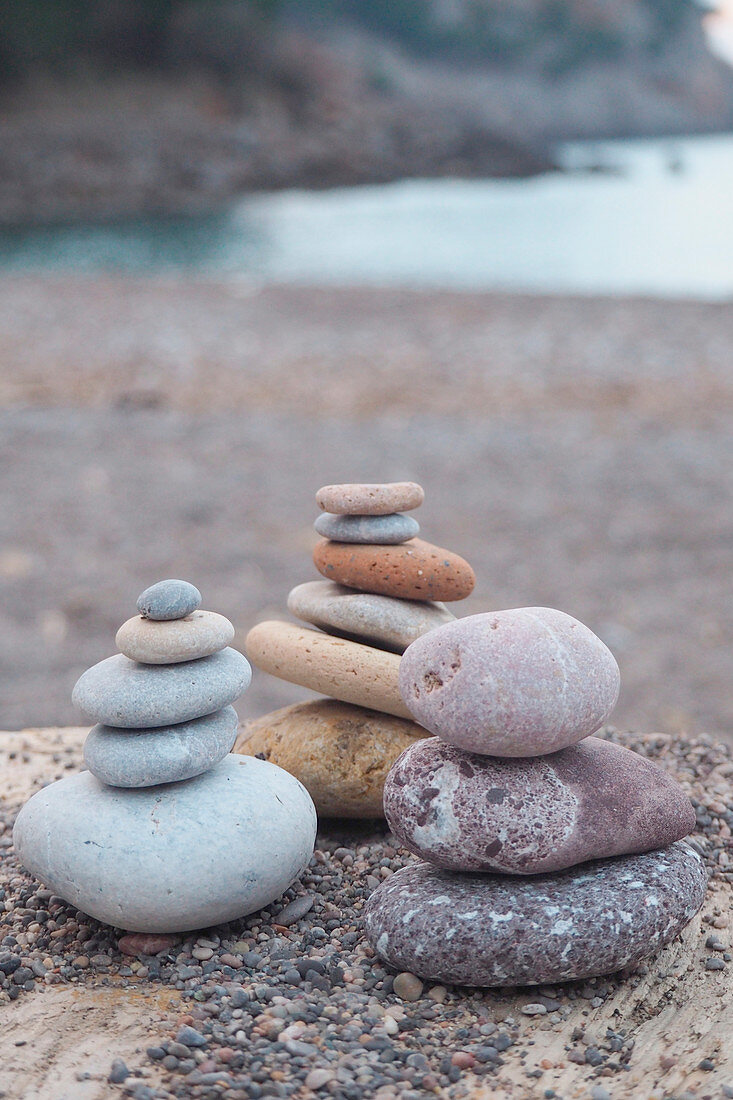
x,y
171,599
467,812
121,692
497,930
378,530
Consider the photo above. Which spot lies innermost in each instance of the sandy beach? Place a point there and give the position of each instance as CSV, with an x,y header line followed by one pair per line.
x,y
576,451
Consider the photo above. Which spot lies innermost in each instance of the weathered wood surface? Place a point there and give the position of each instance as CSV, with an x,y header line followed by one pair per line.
x,y
676,1011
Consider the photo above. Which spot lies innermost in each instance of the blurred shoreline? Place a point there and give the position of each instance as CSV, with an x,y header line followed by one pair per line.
x,y
330,106
575,450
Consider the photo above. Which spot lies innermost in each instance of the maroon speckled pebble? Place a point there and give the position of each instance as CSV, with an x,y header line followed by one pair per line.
x,y
497,930
466,812
522,682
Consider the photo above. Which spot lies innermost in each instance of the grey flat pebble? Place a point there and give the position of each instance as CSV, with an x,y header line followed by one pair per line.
x,y
380,530
174,858
496,930
190,1037
295,910
171,599
382,621
121,692
168,754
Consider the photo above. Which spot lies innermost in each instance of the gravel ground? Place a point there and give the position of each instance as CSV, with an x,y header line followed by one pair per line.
x,y
576,452
292,1001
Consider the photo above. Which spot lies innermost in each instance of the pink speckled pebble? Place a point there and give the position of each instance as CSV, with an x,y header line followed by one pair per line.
x,y
370,500
522,682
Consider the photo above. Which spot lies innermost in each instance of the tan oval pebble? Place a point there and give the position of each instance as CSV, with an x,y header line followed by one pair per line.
x,y
340,753
337,667
370,500
414,570
152,642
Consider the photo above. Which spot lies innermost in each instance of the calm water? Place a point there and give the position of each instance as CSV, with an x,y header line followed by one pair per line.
x,y
657,221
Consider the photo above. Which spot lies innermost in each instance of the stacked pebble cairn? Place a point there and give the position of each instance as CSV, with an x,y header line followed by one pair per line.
x,y
167,831
507,805
383,589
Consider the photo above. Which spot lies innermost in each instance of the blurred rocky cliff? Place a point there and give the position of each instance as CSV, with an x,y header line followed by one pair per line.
x,y
124,107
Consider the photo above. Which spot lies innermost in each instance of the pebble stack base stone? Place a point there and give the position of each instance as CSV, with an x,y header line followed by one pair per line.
x,y
500,930
173,858
339,752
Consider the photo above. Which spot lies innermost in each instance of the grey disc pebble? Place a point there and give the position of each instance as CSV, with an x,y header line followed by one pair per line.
x,y
121,692
382,621
378,530
505,930
171,599
168,754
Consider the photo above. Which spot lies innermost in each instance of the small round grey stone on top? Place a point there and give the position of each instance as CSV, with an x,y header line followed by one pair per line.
x,y
167,754
171,599
376,530
121,692
370,500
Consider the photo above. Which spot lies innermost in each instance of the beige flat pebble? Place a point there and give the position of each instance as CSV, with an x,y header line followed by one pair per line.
x,y
340,753
370,500
151,642
337,667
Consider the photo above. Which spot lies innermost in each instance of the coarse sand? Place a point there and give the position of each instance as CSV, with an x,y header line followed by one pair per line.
x,y
266,1008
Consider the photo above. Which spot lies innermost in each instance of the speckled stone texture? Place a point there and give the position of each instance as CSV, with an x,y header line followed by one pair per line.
x,y
385,530
382,621
465,812
144,758
497,930
120,692
163,643
370,500
522,682
343,669
414,570
171,599
173,858
340,753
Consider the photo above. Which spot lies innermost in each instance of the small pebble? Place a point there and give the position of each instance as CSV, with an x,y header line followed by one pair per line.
x,y
295,910
534,1009
143,943
118,1073
190,1037
714,963
317,1078
407,987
